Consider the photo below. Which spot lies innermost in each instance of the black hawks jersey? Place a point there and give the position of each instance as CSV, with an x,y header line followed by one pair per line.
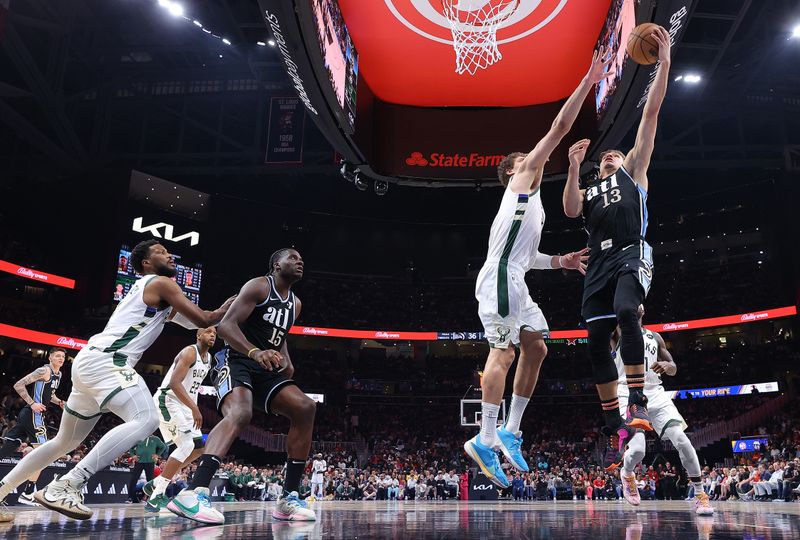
x,y
270,321
614,212
42,391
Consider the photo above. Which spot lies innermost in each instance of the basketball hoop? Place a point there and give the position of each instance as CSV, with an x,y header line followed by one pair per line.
x,y
475,32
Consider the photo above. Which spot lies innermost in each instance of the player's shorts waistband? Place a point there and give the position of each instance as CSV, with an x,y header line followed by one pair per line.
x,y
613,245
495,261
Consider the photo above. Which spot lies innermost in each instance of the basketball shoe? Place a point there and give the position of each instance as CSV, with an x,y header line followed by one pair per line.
x,y
702,507
291,508
510,444
195,504
638,417
629,489
155,504
64,497
617,442
27,499
486,458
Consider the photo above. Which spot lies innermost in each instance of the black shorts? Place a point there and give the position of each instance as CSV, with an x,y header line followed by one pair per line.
x,y
30,425
603,271
235,370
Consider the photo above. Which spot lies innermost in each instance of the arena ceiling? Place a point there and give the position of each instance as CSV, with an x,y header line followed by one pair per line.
x,y
406,51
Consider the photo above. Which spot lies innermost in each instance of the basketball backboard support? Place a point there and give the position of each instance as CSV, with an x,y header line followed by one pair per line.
x,y
471,413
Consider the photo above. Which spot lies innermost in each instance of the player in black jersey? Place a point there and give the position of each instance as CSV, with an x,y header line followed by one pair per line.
x,y
620,266
37,389
254,370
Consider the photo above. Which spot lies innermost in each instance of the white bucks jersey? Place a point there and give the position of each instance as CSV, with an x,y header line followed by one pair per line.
x,y
194,378
132,328
517,228
652,380
319,467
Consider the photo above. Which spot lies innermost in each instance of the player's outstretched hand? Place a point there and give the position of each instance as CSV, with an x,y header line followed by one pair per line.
x,y
661,36
577,152
601,60
268,359
38,407
575,260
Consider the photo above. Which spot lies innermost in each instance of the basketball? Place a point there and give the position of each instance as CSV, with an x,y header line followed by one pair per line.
x,y
642,48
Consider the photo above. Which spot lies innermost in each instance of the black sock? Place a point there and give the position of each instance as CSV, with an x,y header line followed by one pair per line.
x,y
27,487
294,472
205,471
611,412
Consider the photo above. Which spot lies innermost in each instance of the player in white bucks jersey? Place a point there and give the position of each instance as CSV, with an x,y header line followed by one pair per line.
x,y
509,316
666,420
254,371
620,267
179,415
104,379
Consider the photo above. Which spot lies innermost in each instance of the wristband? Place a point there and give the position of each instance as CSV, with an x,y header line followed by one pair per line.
x,y
251,352
560,263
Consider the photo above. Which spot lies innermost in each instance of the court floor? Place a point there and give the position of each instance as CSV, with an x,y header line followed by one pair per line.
x,y
452,520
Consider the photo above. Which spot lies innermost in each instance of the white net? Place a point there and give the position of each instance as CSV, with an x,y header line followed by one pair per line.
x,y
475,31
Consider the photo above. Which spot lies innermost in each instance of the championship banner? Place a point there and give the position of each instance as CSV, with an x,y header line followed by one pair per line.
x,y
36,275
285,130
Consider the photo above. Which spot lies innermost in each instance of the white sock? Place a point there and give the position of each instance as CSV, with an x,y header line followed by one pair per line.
x,y
489,413
518,404
160,486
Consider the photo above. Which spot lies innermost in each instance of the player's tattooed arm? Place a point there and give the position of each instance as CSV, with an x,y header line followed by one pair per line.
x,y
39,374
55,400
665,363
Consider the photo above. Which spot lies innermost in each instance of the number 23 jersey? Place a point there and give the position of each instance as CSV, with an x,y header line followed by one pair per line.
x,y
615,212
270,321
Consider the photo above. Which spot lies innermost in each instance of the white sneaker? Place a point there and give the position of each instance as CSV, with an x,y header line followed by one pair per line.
x,y
195,504
702,506
27,498
292,508
65,498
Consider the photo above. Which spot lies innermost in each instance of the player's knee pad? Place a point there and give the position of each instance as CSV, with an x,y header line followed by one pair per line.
x,y
599,347
184,449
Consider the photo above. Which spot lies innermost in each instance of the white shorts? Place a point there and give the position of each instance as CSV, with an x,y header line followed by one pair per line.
x,y
175,419
98,376
504,305
662,410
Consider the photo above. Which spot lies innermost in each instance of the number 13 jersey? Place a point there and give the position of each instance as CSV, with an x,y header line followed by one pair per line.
x,y
614,212
270,321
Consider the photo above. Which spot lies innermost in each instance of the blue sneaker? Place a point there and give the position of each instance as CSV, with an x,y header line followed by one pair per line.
x,y
510,444
487,460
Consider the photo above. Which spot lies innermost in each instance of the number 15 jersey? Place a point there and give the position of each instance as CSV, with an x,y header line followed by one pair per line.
x,y
270,321
614,212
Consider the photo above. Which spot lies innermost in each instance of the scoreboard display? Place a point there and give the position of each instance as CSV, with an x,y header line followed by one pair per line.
x,y
188,277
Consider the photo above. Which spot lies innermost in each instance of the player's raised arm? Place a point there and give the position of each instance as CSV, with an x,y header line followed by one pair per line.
x,y
665,364
638,159
532,166
573,194
253,293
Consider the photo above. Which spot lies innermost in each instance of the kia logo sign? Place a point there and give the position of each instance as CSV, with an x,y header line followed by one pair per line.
x,y
193,237
483,487
457,161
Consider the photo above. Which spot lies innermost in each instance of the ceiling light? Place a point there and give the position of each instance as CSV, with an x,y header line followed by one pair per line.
x,y
226,41
796,32
692,78
261,43
271,43
197,23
